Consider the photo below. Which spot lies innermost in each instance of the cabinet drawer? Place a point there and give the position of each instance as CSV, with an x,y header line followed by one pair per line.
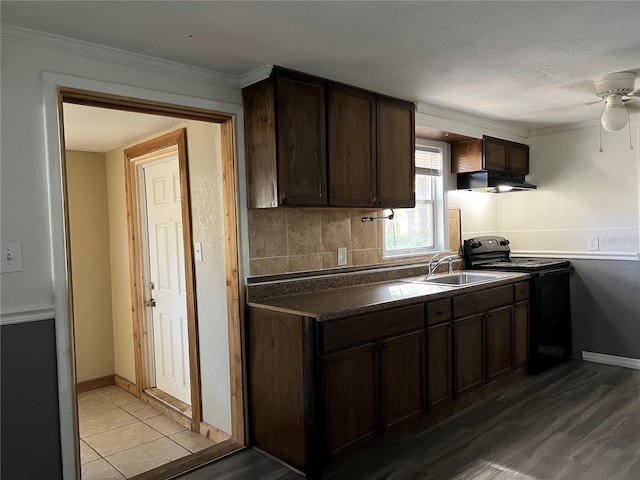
x,y
438,311
520,291
363,328
482,301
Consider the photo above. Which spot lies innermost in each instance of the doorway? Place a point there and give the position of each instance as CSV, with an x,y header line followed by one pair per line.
x,y
154,367
163,275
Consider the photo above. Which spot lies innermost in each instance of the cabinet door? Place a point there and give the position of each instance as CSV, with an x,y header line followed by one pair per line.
x,y
350,383
396,153
498,326
468,354
518,158
302,161
402,379
352,154
520,334
438,365
495,153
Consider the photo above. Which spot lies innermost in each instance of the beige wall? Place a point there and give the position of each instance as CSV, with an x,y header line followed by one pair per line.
x,y
90,254
120,284
291,240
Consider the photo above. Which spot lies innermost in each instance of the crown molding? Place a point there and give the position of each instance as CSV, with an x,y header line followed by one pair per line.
x,y
255,75
574,126
472,120
115,55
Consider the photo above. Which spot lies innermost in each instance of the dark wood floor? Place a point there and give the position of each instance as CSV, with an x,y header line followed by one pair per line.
x,y
578,421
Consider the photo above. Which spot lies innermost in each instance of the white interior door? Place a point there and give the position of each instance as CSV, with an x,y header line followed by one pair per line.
x,y
170,345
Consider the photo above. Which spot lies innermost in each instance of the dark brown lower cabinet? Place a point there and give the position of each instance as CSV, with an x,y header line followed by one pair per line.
x,y
468,354
438,365
316,387
350,395
373,387
402,378
520,334
498,325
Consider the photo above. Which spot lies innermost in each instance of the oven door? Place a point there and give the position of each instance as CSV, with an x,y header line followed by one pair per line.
x,y
550,327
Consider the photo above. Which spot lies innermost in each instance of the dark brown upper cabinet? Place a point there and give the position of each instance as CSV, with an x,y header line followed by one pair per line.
x,y
351,116
312,142
396,153
489,153
285,140
371,149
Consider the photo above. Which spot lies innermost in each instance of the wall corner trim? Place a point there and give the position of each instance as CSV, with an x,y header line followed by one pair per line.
x,y
611,360
255,75
29,313
578,255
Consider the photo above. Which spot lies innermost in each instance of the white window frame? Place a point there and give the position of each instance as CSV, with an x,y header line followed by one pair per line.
x,y
440,213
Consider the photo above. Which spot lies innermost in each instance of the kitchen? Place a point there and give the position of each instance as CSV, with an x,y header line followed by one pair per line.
x,y
581,192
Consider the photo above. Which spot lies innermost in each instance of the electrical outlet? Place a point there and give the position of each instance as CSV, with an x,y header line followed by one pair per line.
x,y
11,257
342,256
594,244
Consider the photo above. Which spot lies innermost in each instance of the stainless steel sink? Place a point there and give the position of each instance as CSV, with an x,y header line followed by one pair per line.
x,y
458,279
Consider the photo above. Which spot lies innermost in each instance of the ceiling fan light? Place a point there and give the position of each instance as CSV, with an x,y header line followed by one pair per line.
x,y
614,118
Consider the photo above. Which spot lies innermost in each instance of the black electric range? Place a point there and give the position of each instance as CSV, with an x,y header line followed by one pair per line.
x,y
550,301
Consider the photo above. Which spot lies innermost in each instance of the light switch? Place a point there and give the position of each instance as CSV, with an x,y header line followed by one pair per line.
x,y
11,257
197,251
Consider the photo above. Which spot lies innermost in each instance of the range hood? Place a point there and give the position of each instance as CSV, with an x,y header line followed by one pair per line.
x,y
493,182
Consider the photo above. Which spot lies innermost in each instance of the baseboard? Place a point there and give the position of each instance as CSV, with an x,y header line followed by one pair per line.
x,y
213,433
611,360
88,385
125,384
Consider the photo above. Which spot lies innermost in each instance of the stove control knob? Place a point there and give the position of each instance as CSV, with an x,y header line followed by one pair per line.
x,y
476,244
504,242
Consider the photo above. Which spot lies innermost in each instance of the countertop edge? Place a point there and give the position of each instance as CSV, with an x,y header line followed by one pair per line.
x,y
359,309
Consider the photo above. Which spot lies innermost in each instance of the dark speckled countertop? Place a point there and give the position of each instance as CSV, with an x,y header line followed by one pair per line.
x,y
335,303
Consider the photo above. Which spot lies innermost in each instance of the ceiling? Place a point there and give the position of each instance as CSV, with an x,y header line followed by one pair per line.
x,y
530,65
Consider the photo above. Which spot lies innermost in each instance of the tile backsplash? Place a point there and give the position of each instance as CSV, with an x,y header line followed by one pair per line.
x,y
291,240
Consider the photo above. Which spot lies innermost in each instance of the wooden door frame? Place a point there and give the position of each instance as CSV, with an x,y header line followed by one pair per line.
x,y
229,178
134,158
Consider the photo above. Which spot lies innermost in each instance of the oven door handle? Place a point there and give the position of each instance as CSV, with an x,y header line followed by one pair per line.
x,y
554,271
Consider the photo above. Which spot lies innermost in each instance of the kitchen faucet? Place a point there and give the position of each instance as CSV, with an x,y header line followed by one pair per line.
x,y
432,266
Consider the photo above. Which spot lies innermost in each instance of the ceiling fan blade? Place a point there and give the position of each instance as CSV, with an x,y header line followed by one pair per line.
x,y
587,104
632,104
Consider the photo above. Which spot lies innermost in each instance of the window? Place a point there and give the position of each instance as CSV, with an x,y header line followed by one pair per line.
x,y
418,230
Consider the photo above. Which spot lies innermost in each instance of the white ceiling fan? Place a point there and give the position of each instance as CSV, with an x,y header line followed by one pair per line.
x,y
620,96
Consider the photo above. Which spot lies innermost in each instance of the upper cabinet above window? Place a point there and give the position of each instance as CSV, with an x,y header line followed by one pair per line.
x,y
489,153
312,142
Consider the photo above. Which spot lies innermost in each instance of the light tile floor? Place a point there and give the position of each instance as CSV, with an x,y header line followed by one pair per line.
x,y
121,436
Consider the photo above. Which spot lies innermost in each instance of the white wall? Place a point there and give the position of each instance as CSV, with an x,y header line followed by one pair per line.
x,y
205,175
32,66
581,193
24,169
